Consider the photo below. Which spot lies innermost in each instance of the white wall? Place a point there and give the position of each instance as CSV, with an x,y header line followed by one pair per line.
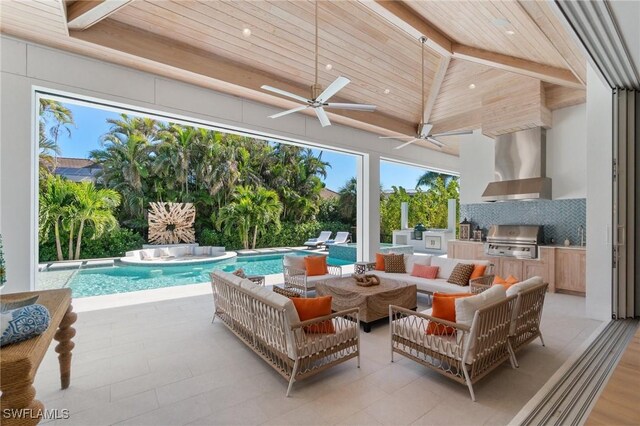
x,y
26,65
566,158
477,166
599,196
567,153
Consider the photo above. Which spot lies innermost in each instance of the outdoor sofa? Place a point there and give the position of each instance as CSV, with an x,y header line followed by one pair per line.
x,y
490,327
439,284
268,323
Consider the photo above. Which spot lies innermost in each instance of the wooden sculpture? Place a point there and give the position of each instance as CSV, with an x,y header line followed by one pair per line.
x,y
171,223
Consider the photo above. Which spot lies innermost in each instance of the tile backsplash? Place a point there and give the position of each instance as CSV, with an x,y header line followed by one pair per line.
x,y
561,218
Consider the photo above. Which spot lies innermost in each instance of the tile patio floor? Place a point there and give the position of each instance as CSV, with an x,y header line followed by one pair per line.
x,y
163,363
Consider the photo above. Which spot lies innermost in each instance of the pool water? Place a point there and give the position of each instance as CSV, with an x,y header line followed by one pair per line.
x,y
126,278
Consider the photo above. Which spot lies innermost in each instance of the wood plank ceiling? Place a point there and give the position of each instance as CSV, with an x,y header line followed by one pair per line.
x,y
374,43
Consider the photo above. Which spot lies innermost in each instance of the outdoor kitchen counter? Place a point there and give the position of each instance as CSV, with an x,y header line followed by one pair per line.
x,y
564,268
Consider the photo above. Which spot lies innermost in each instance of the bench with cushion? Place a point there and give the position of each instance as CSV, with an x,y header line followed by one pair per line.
x,y
268,323
438,284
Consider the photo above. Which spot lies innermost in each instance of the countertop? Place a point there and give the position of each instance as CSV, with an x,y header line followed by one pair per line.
x,y
553,246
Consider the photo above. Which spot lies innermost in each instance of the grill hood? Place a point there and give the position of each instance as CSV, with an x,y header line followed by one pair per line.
x,y
520,167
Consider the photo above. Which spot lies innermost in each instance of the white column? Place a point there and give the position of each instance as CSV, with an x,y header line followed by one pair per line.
x,y
368,206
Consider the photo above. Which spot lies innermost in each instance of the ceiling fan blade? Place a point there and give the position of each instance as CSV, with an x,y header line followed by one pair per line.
x,y
397,137
356,107
407,143
436,142
333,88
291,111
322,116
285,93
460,132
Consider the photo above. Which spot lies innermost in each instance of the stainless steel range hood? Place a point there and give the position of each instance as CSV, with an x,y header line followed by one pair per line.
x,y
520,166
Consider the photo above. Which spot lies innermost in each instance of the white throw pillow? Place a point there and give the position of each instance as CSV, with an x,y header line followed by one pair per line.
x,y
415,259
523,285
466,307
295,262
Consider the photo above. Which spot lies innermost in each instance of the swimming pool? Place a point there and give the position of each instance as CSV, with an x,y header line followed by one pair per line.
x,y
126,278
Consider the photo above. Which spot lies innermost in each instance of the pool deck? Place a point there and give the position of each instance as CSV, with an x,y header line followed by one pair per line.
x,y
275,250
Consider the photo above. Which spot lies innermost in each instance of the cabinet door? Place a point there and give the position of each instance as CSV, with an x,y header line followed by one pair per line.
x,y
570,270
533,268
511,267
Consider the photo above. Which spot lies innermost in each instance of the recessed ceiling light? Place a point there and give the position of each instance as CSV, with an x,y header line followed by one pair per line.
x,y
472,86
510,32
246,32
328,67
387,91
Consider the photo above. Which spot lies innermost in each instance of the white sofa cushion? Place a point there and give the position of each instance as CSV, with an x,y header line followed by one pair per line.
x,y
412,259
424,284
310,342
316,278
446,265
466,307
415,331
524,285
295,262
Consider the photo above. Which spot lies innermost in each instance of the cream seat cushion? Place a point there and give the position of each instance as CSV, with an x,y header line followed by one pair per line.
x,y
296,262
524,285
424,284
414,330
312,343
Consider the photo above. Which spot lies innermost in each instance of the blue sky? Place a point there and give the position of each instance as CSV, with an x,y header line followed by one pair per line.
x,y
91,125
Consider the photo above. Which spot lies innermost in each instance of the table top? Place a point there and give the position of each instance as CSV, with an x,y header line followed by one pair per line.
x,y
348,284
29,353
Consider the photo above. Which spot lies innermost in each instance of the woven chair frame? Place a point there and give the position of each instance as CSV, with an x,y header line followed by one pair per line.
x,y
527,316
297,279
480,284
264,327
462,353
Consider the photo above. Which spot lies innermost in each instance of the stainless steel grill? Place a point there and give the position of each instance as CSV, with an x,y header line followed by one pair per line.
x,y
514,240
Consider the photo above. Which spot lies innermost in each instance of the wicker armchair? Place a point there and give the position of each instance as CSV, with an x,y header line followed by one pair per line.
x,y
465,355
480,284
268,323
297,279
525,325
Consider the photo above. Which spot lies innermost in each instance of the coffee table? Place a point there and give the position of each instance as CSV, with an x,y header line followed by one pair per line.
x,y
373,301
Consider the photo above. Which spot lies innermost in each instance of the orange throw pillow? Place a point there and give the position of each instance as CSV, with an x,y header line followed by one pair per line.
x,y
424,271
512,280
379,262
444,307
314,307
499,280
316,265
478,271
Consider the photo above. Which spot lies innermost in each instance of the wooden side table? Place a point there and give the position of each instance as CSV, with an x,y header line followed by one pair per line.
x,y
363,267
20,361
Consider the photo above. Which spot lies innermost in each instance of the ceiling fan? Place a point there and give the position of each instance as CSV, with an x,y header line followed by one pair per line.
x,y
319,98
424,129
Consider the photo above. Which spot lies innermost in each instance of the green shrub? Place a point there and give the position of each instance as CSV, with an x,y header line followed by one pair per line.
x,y
291,234
112,244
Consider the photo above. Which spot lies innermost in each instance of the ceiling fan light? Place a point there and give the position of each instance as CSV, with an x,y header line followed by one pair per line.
x,y
328,67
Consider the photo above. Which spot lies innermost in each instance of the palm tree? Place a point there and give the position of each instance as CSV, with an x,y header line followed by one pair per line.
x,y
95,208
267,208
54,199
348,200
56,114
237,216
429,179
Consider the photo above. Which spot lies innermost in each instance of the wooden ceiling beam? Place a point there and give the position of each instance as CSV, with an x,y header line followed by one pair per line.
x,y
410,21
547,73
405,18
434,90
174,59
83,14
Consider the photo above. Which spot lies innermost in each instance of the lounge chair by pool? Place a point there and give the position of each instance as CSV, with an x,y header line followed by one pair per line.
x,y
320,241
341,238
